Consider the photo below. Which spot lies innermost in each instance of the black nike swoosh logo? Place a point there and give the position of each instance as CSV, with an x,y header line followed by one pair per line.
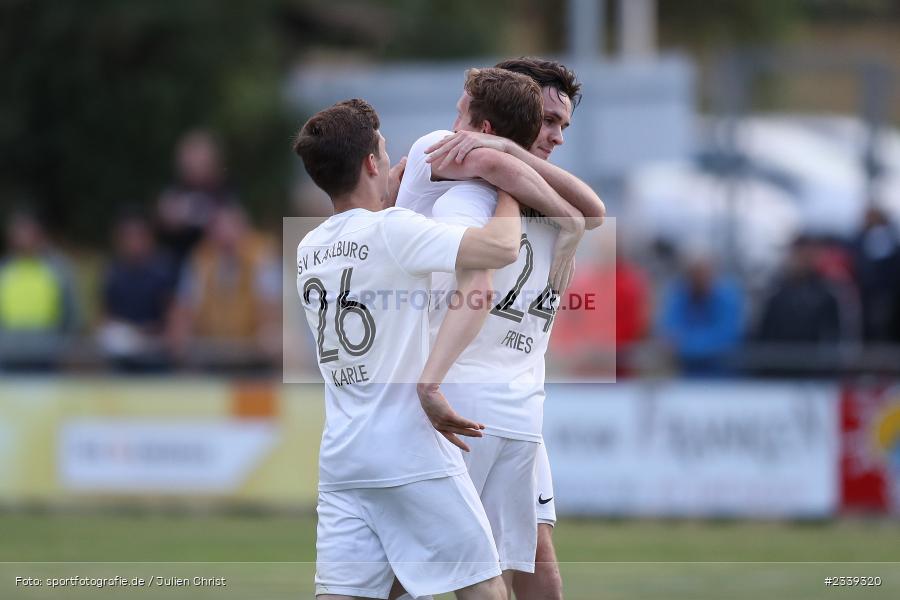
x,y
542,501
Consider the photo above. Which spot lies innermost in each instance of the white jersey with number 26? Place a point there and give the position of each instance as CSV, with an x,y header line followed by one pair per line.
x,y
363,279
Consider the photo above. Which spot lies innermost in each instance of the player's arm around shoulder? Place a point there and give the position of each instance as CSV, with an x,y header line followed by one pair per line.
x,y
452,152
512,175
490,164
573,190
497,243
518,179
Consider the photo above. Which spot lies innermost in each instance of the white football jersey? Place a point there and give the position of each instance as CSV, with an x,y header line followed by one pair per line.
x,y
498,380
363,279
417,191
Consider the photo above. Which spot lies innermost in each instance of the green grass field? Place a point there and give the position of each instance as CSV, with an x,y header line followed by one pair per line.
x,y
272,557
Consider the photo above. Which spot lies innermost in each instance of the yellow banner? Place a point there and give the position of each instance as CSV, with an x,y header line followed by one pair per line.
x,y
82,439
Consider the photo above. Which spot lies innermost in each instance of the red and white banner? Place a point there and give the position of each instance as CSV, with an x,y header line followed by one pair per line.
x,y
870,448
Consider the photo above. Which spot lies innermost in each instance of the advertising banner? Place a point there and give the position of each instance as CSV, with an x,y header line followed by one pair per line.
x,y
694,449
81,439
870,448
731,448
163,456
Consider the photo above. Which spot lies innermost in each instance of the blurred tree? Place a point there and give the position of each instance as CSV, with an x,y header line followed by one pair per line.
x,y
853,10
445,29
97,92
409,29
687,23
700,22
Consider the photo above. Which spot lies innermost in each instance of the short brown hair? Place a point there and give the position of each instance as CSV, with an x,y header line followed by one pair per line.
x,y
334,142
547,73
509,101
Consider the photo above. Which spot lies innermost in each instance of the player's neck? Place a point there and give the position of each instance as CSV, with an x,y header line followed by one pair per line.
x,y
359,198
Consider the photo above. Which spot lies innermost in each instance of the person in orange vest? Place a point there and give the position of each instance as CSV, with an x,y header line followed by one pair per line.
x,y
229,291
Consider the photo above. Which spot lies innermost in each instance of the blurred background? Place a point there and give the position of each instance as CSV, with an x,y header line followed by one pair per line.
x,y
748,150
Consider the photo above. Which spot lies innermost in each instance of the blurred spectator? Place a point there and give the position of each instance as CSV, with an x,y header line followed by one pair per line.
x,y
877,264
583,337
803,307
185,208
228,297
633,312
137,292
701,317
835,262
37,299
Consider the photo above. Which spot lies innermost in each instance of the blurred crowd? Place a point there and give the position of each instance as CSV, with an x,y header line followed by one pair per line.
x,y
192,284
833,306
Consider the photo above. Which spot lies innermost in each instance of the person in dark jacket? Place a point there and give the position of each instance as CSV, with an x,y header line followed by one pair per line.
x,y
876,253
137,292
803,307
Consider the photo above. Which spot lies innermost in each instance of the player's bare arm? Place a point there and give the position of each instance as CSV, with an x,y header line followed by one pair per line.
x,y
454,149
507,173
395,176
457,331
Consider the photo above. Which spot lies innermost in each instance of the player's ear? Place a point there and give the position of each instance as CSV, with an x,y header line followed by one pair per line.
x,y
371,165
486,127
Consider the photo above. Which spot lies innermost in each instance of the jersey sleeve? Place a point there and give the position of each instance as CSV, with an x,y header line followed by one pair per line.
x,y
469,204
416,183
420,245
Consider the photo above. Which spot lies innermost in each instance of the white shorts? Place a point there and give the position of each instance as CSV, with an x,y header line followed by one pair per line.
x,y
502,470
545,504
433,535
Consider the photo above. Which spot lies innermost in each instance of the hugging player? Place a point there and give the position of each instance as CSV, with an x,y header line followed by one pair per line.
x,y
500,142
394,497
